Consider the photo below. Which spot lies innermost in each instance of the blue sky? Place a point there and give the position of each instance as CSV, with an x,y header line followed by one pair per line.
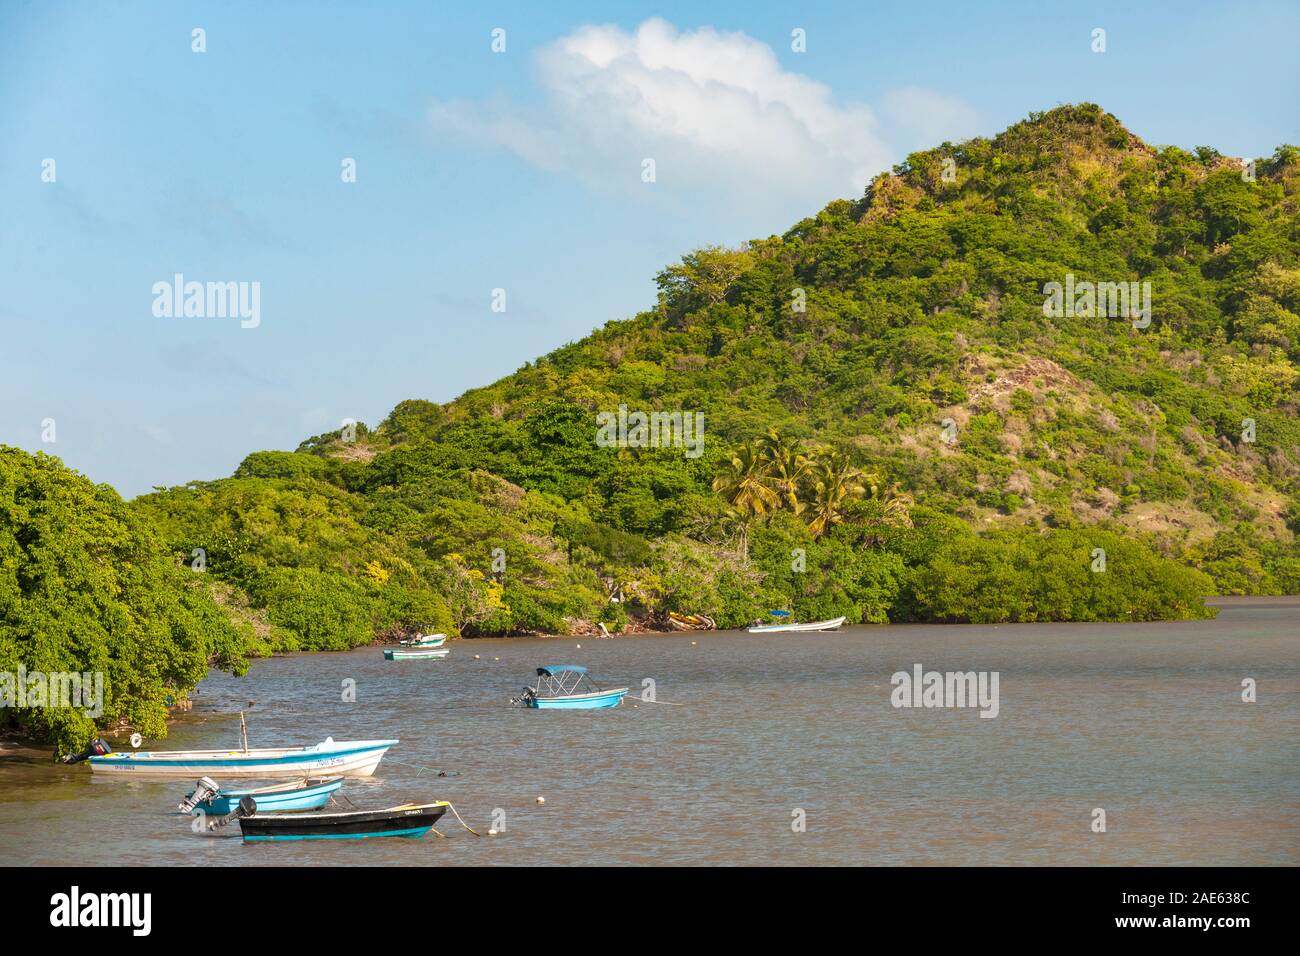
x,y
477,170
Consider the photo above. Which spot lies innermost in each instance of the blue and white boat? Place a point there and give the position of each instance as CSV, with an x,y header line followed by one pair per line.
x,y
346,758
568,687
211,798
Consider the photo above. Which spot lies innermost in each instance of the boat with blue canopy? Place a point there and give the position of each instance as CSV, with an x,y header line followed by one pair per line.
x,y
568,687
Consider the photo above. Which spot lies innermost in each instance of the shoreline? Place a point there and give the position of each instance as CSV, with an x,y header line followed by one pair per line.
x,y
1220,601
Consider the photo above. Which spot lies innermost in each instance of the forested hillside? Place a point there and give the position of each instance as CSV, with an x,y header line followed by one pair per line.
x,y
896,428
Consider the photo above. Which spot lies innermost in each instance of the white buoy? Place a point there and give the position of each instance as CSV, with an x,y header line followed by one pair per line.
x,y
541,799
475,657
492,833
579,647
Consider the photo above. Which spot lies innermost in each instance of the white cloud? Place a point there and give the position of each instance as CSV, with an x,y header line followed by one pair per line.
x,y
711,108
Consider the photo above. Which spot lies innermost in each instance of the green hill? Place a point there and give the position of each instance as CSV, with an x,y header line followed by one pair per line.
x,y
897,424
863,329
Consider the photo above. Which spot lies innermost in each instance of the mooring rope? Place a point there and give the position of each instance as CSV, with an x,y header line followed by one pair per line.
x,y
642,700
462,823
433,770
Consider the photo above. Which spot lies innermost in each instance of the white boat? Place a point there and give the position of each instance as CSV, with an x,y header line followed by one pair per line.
x,y
414,653
830,625
350,758
425,640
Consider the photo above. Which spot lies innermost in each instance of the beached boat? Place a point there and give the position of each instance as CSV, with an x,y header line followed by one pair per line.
x,y
425,640
414,653
211,798
410,820
789,625
567,686
690,622
348,758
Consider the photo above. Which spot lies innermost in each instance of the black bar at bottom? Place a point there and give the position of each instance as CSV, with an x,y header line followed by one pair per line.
x,y
234,907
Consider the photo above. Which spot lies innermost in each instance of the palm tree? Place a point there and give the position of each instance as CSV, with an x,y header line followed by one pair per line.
x,y
743,481
889,507
787,469
898,508
835,481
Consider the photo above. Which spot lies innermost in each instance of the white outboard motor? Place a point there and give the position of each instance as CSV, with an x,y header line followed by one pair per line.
x,y
205,790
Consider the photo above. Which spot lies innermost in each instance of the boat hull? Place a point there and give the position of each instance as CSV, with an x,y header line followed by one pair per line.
x,y
830,625
358,825
348,759
416,653
592,701
311,797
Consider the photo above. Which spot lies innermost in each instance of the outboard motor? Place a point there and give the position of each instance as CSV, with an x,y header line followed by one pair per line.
x,y
97,749
204,790
247,807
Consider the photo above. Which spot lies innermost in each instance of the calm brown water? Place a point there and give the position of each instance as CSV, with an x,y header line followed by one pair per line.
x,y
1145,721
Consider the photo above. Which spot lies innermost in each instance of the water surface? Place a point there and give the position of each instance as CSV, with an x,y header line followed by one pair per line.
x,y
1143,720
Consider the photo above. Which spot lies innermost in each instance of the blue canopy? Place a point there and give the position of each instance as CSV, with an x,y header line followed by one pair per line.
x,y
780,613
561,669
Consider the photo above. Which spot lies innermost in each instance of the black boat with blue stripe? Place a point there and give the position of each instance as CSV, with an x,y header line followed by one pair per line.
x,y
409,820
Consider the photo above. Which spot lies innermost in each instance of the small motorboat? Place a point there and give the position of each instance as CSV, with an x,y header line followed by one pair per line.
x,y
787,624
568,686
209,797
410,820
425,640
415,653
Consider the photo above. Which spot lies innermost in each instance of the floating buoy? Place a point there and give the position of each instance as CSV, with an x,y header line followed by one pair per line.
x,y
541,799
475,657
496,658
492,833
693,643
579,647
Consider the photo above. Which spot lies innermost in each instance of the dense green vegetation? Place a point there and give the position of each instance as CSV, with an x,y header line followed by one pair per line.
x,y
86,586
896,430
